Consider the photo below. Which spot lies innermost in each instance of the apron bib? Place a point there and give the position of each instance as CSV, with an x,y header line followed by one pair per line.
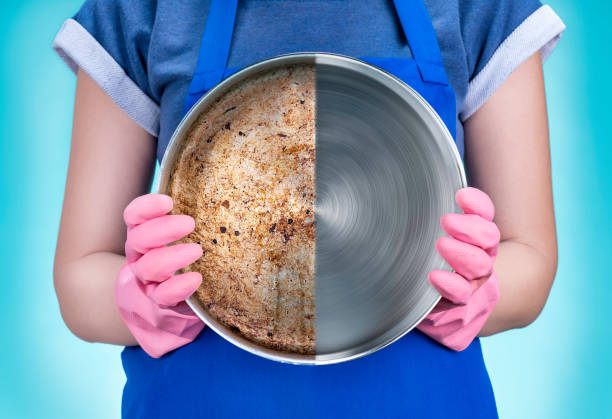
x,y
413,377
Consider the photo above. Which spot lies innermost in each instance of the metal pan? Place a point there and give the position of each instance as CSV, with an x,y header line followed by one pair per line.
x,y
386,170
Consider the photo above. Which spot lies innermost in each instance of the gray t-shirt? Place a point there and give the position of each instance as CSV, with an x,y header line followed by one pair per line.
x,y
143,52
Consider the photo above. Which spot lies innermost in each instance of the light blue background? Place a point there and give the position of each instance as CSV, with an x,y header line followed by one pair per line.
x,y
559,367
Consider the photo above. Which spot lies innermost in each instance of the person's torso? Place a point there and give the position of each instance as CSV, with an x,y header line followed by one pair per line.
x,y
414,376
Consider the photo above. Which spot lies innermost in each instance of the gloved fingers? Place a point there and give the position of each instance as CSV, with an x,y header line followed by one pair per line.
x,y
490,291
432,329
137,305
477,283
159,232
452,315
157,341
482,301
472,229
460,315
161,263
157,329
146,207
442,306
457,326
474,201
183,309
492,251
451,286
463,336
439,333
467,260
176,289
451,335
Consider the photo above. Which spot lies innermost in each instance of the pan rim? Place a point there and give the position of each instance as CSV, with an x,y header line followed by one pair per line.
x,y
173,148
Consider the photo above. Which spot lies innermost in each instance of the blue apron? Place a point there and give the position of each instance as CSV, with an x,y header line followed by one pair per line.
x,y
413,377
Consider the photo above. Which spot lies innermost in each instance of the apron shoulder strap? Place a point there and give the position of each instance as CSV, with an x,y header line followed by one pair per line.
x,y
422,40
214,49
217,38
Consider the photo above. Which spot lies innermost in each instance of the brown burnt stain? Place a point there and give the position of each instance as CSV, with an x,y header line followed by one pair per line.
x,y
254,176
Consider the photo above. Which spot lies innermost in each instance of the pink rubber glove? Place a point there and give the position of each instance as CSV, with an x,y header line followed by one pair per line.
x,y
149,296
470,293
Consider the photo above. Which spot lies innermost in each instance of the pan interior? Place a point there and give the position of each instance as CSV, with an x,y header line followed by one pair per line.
x,y
385,173
386,170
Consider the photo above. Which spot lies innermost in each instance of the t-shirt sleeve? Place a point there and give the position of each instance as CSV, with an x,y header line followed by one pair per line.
x,y
498,36
109,40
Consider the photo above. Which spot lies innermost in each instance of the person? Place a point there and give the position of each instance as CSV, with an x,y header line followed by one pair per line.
x,y
140,66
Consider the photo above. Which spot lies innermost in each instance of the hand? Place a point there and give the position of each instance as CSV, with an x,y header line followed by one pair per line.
x,y
472,290
149,296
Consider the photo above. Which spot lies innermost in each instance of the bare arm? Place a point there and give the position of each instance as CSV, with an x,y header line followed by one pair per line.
x,y
112,160
508,157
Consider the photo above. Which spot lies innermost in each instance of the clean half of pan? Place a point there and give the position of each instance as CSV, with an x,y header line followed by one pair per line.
x,y
335,270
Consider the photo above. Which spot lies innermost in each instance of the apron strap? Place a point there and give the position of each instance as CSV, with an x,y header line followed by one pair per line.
x,y
214,50
422,40
217,38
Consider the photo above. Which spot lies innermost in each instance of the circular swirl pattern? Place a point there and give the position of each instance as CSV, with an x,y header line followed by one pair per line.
x,y
382,184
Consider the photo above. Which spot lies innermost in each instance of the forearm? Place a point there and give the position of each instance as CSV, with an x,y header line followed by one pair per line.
x,y
525,275
85,291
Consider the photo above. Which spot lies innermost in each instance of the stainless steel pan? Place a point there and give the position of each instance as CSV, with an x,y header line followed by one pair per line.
x,y
386,170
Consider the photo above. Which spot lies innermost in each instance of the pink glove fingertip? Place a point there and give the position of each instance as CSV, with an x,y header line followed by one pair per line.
x,y
176,289
451,286
146,207
165,342
467,260
474,201
471,228
161,263
159,232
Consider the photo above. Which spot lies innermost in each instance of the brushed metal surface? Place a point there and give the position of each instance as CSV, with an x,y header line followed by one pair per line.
x,y
386,170
385,174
